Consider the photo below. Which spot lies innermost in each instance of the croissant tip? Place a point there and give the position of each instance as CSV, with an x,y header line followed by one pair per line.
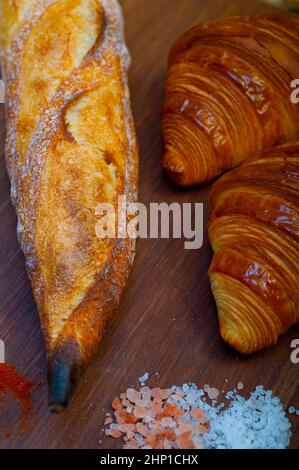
x,y
174,168
172,165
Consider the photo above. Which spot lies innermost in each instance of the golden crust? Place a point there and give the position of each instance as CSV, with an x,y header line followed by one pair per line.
x,y
254,232
228,95
70,146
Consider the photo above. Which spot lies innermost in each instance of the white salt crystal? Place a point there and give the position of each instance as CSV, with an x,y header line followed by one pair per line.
x,y
213,393
244,426
143,378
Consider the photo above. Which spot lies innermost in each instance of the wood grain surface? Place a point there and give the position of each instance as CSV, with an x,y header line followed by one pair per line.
x,y
167,321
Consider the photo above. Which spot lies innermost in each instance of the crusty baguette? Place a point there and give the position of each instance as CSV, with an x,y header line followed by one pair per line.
x,y
70,146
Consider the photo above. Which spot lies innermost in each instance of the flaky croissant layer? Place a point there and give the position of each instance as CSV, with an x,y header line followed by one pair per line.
x,y
228,95
254,232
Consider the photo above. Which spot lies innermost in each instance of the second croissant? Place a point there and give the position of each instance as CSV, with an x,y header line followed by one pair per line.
x,y
254,232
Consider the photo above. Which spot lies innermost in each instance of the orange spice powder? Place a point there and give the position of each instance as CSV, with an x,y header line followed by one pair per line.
x,y
20,388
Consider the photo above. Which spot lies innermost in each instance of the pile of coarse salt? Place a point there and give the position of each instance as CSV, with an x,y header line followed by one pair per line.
x,y
259,422
188,417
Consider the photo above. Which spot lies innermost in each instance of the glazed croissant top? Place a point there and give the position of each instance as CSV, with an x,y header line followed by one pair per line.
x,y
254,232
228,95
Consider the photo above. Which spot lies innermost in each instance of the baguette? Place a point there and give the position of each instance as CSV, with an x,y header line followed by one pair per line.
x,y
70,146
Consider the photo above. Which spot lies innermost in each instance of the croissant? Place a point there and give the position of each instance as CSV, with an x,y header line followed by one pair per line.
x,y
228,95
70,146
254,232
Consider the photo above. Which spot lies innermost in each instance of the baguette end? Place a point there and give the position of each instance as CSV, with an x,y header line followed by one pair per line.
x,y
63,374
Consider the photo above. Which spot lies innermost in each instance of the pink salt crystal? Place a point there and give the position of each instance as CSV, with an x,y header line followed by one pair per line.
x,y
200,429
118,417
156,393
113,433
150,439
156,407
183,428
120,420
119,412
184,441
167,444
167,422
116,404
198,414
213,393
141,429
143,402
126,427
157,401
149,415
132,395
126,403
140,412
178,412
108,421
164,394
153,425
130,435
178,395
146,395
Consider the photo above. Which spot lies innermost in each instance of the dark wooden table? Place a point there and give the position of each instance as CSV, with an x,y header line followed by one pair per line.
x,y
167,321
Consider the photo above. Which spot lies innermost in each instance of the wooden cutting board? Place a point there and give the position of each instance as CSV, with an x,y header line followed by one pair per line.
x,y
167,321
